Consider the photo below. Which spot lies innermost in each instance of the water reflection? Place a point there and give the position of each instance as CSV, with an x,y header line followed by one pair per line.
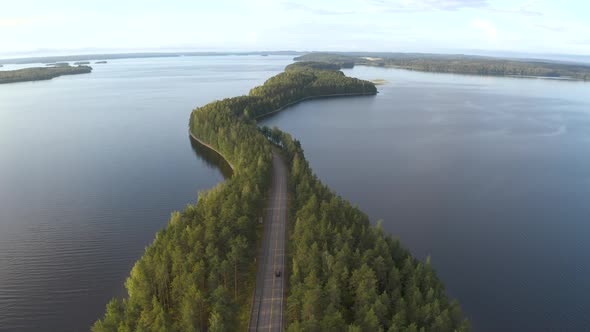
x,y
211,158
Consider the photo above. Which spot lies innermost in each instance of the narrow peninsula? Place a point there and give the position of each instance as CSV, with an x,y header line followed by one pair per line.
x,y
41,73
342,273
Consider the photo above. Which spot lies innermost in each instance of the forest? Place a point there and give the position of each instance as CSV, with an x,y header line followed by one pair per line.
x,y
198,274
41,73
458,64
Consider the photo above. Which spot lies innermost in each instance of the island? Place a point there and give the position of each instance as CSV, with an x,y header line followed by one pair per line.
x,y
88,57
458,64
41,73
344,274
58,64
79,63
100,62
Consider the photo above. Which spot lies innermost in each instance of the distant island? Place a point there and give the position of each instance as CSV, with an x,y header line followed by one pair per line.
x,y
41,73
571,69
100,62
80,63
58,64
88,57
457,64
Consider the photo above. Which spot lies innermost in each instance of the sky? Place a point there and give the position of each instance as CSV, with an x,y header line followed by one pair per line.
x,y
438,26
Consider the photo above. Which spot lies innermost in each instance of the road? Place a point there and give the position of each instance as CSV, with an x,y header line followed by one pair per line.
x,y
268,302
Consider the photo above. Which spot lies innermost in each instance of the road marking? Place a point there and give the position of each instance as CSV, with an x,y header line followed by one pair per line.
x,y
283,256
274,256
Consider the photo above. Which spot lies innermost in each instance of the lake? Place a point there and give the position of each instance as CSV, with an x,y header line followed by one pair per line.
x,y
91,167
489,176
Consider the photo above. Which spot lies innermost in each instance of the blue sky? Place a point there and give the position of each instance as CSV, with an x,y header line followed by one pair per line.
x,y
57,26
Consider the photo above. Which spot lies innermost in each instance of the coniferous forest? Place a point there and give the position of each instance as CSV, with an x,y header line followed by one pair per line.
x,y
344,274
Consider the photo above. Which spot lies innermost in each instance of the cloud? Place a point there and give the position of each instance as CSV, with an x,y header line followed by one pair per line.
x,y
526,9
487,28
427,5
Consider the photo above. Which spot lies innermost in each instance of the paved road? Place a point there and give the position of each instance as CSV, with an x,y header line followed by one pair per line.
x,y
267,307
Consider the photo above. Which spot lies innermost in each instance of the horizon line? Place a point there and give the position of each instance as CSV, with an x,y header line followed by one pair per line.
x,y
126,54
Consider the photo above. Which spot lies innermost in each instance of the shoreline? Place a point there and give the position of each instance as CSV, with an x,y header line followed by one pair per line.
x,y
213,149
293,103
192,135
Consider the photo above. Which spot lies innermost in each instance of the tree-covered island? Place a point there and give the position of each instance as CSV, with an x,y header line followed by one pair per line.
x,y
41,73
345,274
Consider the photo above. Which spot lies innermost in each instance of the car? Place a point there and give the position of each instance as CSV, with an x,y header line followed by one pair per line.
x,y
277,273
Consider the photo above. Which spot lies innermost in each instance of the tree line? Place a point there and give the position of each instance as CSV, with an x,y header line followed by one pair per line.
x,y
199,272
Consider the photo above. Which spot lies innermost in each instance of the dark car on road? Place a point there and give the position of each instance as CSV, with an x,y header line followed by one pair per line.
x,y
277,273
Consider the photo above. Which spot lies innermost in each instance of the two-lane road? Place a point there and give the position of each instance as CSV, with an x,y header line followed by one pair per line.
x,y
267,307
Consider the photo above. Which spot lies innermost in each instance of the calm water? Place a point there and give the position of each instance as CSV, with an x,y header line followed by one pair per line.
x,y
489,176
91,166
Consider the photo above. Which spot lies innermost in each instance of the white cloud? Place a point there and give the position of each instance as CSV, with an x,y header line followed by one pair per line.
x,y
427,5
380,25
